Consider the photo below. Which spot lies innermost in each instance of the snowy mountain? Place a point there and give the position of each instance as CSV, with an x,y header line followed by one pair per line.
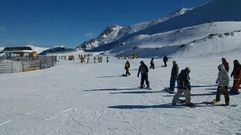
x,y
57,49
116,32
107,36
37,49
209,25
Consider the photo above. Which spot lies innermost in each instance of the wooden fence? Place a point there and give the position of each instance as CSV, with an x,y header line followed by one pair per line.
x,y
24,65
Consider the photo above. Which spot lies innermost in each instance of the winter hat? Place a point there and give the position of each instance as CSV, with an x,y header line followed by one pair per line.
x,y
220,67
174,62
187,69
142,62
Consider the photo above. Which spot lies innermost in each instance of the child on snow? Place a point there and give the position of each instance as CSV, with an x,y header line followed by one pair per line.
x,y
223,82
127,67
184,86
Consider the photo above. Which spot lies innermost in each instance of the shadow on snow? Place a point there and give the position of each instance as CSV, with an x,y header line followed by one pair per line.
x,y
113,89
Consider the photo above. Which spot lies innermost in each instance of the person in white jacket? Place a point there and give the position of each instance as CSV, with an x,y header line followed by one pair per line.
x,y
223,83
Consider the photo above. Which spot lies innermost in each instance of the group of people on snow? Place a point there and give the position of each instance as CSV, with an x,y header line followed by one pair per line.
x,y
86,59
183,80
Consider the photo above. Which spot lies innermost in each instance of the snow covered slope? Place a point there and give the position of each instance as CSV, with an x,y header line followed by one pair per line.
x,y
204,39
82,99
164,36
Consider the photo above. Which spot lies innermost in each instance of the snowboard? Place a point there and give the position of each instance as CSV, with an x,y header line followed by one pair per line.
x,y
124,75
182,101
219,104
168,91
147,88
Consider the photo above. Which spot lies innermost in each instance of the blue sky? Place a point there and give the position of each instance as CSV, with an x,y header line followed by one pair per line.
x,y
70,22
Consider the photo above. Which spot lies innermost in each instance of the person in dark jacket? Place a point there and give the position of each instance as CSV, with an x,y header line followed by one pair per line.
x,y
223,82
143,69
165,59
127,67
152,64
184,86
236,77
226,64
174,75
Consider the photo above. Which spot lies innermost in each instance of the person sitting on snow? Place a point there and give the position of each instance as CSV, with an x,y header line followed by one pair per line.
x,y
223,82
143,69
184,86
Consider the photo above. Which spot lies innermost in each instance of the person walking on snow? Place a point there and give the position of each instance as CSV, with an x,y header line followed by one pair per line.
x,y
143,69
226,64
127,67
174,75
184,86
236,77
152,64
165,59
223,82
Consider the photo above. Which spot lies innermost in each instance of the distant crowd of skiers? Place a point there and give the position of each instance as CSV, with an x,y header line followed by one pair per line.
x,y
96,59
183,80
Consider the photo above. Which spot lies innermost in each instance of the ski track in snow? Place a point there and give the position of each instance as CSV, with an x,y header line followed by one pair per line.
x,y
93,99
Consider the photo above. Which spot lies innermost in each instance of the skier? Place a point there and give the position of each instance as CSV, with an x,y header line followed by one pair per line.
x,y
152,64
143,69
184,86
236,75
226,64
127,67
174,75
223,82
107,59
165,59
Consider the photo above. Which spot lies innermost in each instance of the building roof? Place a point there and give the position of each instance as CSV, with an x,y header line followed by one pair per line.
x,y
18,49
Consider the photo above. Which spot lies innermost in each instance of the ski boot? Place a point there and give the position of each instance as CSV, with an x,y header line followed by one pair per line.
x,y
215,102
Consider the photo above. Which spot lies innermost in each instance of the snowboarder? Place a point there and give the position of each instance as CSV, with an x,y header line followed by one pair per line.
x,y
236,75
226,64
127,67
223,82
184,86
165,59
143,69
152,64
174,75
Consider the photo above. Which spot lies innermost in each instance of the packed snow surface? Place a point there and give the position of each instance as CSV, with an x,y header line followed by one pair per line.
x,y
94,99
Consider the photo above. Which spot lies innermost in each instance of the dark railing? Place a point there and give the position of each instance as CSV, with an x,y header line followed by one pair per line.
x,y
24,64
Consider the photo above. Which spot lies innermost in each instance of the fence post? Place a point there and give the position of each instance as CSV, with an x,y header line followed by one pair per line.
x,y
22,66
11,67
40,63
